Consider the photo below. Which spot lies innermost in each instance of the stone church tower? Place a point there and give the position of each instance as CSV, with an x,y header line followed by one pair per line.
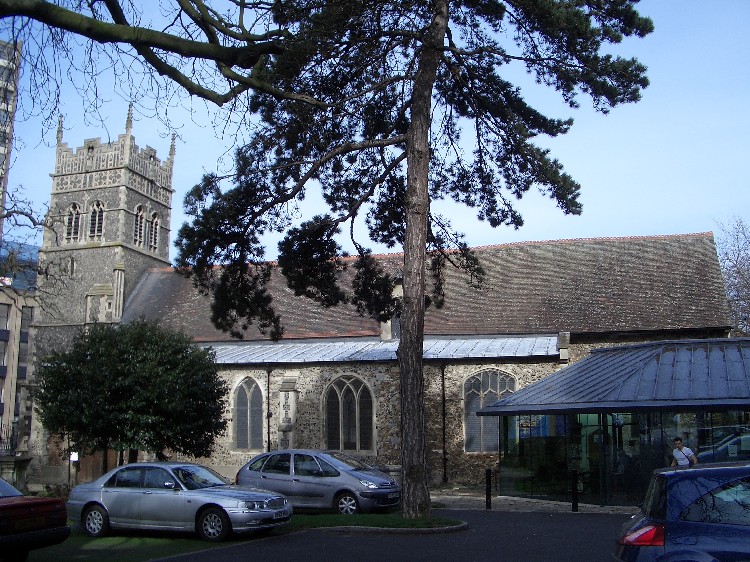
x,y
110,211
108,221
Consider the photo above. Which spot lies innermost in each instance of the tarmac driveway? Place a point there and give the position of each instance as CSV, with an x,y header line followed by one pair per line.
x,y
490,535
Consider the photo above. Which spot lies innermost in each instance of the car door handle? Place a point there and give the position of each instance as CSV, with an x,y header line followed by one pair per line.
x,y
147,492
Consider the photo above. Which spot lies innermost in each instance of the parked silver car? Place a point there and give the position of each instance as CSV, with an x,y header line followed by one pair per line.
x,y
322,480
177,497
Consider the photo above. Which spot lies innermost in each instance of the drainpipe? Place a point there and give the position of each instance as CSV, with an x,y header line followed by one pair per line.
x,y
444,415
268,409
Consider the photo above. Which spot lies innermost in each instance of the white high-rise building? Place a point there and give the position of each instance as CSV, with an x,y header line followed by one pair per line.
x,y
10,62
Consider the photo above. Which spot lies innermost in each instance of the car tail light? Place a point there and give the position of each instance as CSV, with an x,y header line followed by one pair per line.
x,y
650,535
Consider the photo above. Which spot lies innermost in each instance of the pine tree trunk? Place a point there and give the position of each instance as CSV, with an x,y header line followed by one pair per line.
x,y
415,478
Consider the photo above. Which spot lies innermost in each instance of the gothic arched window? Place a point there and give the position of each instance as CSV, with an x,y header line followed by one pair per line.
x,y
153,235
248,416
139,225
73,224
481,390
96,221
349,415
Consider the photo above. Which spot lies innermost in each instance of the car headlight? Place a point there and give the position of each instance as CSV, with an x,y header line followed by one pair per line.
x,y
368,484
254,506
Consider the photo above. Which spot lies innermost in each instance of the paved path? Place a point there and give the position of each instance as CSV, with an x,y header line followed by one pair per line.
x,y
514,529
502,536
472,500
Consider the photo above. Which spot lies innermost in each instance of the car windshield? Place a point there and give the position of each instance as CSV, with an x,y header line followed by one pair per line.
x,y
348,462
195,477
8,491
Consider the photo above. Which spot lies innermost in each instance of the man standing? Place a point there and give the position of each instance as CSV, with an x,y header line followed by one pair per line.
x,y
682,457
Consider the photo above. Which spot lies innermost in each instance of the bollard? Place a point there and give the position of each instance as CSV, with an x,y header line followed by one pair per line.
x,y
574,490
488,488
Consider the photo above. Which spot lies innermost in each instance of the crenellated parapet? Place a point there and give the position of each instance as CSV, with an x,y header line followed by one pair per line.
x,y
148,174
110,194
100,165
122,162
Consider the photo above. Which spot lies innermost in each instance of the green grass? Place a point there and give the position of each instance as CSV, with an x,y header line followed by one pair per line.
x,y
121,547
138,546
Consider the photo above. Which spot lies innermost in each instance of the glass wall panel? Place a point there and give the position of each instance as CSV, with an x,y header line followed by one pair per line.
x,y
613,455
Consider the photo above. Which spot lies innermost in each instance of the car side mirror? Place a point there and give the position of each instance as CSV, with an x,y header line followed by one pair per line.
x,y
170,485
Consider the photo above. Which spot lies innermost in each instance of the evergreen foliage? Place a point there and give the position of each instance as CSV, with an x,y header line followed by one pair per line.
x,y
360,59
134,386
383,106
413,106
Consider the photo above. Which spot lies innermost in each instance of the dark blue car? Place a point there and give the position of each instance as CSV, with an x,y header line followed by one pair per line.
x,y
699,514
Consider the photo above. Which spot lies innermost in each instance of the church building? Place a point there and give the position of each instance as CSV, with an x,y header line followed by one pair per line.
x,y
333,381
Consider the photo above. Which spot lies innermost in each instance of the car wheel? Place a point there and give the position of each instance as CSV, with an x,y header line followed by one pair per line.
x,y
346,503
96,521
214,525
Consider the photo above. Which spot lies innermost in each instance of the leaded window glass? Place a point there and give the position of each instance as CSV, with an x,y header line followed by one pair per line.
x,y
139,224
96,221
153,237
349,415
248,416
73,224
481,390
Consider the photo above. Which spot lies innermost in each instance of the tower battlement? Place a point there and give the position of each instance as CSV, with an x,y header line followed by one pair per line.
x,y
109,221
99,164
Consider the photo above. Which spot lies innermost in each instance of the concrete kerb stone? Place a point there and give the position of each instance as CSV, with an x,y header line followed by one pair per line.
x,y
389,530
475,501
478,502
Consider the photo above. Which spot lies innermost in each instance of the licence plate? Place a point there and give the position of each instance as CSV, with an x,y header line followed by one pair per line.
x,y
393,495
281,514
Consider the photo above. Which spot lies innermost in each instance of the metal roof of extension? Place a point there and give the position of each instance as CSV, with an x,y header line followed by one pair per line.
x,y
709,374
370,350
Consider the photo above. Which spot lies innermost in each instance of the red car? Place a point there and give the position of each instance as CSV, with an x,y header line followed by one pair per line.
x,y
28,523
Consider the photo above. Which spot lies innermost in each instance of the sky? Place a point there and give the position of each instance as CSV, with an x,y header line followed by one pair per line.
x,y
673,163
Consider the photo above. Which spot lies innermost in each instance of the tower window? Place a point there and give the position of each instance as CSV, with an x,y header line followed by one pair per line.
x,y
96,221
139,226
153,237
73,224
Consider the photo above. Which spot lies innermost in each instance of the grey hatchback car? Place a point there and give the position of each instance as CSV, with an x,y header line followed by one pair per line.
x,y
322,480
174,496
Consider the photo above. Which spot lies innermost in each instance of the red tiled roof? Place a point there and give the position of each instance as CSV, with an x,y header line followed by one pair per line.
x,y
593,285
